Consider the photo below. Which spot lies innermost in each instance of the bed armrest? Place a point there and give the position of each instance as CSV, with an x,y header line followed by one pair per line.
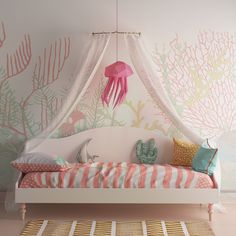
x,y
20,176
217,175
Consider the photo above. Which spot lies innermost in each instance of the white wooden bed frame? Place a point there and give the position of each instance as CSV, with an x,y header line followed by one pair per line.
x,y
121,142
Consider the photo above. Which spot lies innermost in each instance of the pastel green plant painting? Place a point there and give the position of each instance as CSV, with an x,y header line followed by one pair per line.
x,y
146,152
89,113
23,115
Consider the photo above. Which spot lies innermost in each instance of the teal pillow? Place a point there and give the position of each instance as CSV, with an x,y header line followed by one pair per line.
x,y
146,152
205,159
61,161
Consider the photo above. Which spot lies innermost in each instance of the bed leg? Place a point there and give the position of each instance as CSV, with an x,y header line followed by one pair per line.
x,y
210,211
23,211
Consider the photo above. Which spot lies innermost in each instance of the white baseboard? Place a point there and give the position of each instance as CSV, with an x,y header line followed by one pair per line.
x,y
228,197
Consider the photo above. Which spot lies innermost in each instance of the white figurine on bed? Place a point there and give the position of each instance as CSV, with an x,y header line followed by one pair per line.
x,y
83,155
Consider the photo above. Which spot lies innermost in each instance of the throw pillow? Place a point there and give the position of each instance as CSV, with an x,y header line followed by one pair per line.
x,y
183,152
205,159
40,162
146,152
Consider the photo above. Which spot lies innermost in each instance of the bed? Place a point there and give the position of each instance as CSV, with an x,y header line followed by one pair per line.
x,y
99,182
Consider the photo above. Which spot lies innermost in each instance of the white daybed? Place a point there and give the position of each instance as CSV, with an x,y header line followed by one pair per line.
x,y
120,141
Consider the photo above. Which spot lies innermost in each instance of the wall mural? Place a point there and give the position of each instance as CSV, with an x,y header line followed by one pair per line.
x,y
21,119
199,78
201,81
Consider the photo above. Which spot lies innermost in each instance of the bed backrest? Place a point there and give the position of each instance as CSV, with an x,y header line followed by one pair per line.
x,y
110,143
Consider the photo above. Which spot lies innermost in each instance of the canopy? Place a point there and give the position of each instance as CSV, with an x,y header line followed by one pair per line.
x,y
145,68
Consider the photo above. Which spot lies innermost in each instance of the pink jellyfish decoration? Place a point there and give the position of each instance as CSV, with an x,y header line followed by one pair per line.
x,y
116,87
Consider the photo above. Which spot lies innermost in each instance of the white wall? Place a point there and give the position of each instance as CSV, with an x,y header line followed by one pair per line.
x,y
158,20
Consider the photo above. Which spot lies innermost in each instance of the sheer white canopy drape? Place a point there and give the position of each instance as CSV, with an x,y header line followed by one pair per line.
x,y
145,68
96,50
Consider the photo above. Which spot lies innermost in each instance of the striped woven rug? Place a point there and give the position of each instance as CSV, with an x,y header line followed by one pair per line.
x,y
116,228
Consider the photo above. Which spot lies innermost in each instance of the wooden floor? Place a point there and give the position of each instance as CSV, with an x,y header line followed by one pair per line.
x,y
223,224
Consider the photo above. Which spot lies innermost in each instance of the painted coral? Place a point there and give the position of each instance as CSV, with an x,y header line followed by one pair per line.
x,y
200,80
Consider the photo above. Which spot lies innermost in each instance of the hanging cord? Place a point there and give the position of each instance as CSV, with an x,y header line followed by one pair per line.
x,y
117,36
117,32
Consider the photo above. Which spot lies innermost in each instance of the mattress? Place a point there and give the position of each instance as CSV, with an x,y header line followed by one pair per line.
x,y
119,175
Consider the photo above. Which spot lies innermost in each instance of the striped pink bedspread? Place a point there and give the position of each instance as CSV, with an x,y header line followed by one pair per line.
x,y
118,175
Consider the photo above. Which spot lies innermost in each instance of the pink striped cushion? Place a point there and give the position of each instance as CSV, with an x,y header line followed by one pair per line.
x,y
38,162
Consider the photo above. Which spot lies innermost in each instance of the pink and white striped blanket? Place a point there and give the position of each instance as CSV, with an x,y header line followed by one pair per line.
x,y
119,175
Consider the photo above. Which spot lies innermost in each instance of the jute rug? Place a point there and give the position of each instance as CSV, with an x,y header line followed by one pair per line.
x,y
116,228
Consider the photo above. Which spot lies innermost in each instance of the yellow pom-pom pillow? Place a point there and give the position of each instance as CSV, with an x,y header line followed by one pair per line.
x,y
183,152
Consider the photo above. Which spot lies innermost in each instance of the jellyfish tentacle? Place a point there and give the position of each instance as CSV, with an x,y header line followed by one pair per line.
x,y
106,91
116,98
111,93
123,92
126,85
117,87
108,85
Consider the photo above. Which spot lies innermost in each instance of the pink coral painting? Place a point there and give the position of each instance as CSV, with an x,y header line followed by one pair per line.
x,y
200,80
